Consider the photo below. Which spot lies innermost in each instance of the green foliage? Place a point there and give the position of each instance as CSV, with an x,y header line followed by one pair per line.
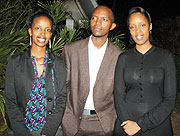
x,y
3,124
13,35
56,9
116,38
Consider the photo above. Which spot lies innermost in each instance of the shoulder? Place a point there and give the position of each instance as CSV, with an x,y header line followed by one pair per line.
x,y
77,44
115,48
58,60
124,56
163,51
126,53
17,58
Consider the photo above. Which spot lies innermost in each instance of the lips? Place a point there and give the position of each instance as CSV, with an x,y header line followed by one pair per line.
x,y
139,37
97,28
41,40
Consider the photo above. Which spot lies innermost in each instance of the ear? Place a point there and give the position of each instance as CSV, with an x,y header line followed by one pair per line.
x,y
30,31
150,26
113,26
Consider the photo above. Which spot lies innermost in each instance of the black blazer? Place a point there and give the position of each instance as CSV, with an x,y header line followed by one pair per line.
x,y
18,83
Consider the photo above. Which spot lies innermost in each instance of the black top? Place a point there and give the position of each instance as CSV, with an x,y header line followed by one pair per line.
x,y
145,89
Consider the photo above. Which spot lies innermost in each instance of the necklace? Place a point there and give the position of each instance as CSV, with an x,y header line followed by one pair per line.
x,y
38,62
39,59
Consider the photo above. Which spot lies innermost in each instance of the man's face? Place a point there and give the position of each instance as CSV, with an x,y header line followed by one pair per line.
x,y
101,22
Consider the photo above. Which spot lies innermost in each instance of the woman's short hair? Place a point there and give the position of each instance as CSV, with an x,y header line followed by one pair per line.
x,y
31,18
140,10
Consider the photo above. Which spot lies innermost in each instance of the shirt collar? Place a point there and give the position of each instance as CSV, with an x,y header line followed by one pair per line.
x,y
92,46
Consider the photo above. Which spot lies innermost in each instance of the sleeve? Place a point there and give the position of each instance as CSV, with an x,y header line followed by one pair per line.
x,y
65,56
55,119
119,90
159,113
15,115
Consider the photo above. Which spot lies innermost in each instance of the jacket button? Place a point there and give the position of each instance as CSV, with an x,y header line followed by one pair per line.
x,y
49,99
49,112
80,118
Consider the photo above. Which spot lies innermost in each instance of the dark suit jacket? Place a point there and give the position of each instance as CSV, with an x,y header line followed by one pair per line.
x,y
77,65
19,80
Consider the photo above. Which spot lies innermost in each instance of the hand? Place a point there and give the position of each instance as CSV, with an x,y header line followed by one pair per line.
x,y
43,135
130,127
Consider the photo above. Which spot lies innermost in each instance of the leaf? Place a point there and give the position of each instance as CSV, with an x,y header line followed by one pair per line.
x,y
2,110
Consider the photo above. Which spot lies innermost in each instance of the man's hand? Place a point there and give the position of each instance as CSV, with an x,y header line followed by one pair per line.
x,y
130,127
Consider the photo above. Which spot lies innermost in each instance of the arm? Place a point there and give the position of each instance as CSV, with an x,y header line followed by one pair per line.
x,y
130,127
67,62
119,90
14,113
54,120
159,113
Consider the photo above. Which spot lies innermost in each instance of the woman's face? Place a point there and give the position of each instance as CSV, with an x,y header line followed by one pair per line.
x,y
139,28
40,31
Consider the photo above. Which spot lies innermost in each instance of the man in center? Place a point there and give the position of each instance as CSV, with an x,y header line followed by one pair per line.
x,y
90,67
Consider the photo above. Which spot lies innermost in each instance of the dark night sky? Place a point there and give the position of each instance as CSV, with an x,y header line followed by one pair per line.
x,y
158,9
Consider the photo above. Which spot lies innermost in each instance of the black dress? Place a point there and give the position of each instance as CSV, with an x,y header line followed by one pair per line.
x,y
145,91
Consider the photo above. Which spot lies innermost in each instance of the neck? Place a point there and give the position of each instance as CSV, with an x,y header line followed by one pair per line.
x,y
98,42
143,48
38,52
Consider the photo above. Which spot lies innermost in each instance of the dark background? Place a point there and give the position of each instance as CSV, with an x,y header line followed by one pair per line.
x,y
158,9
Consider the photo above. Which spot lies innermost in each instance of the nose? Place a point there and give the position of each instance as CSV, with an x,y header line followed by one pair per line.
x,y
43,32
98,21
138,29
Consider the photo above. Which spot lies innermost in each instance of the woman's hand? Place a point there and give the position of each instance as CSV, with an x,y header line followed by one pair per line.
x,y
130,127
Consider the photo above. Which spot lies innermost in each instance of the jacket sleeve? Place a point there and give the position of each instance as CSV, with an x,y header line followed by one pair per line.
x,y
159,113
65,56
55,119
13,110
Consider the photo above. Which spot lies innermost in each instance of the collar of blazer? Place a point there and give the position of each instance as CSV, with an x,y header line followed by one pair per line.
x,y
107,59
50,60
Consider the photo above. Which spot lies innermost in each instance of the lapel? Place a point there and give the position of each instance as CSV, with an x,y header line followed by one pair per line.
x,y
48,76
29,71
105,63
50,64
84,59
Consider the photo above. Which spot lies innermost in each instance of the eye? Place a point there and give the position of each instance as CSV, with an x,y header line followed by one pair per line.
x,y
93,18
48,30
38,28
105,19
142,25
132,27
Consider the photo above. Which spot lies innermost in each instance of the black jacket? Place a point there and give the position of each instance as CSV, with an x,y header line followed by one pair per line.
x,y
145,91
18,83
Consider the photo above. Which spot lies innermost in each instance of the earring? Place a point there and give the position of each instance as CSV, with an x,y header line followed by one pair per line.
x,y
150,32
49,43
30,42
150,36
131,41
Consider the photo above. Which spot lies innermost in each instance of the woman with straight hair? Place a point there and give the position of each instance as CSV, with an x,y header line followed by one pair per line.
x,y
35,86
145,83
